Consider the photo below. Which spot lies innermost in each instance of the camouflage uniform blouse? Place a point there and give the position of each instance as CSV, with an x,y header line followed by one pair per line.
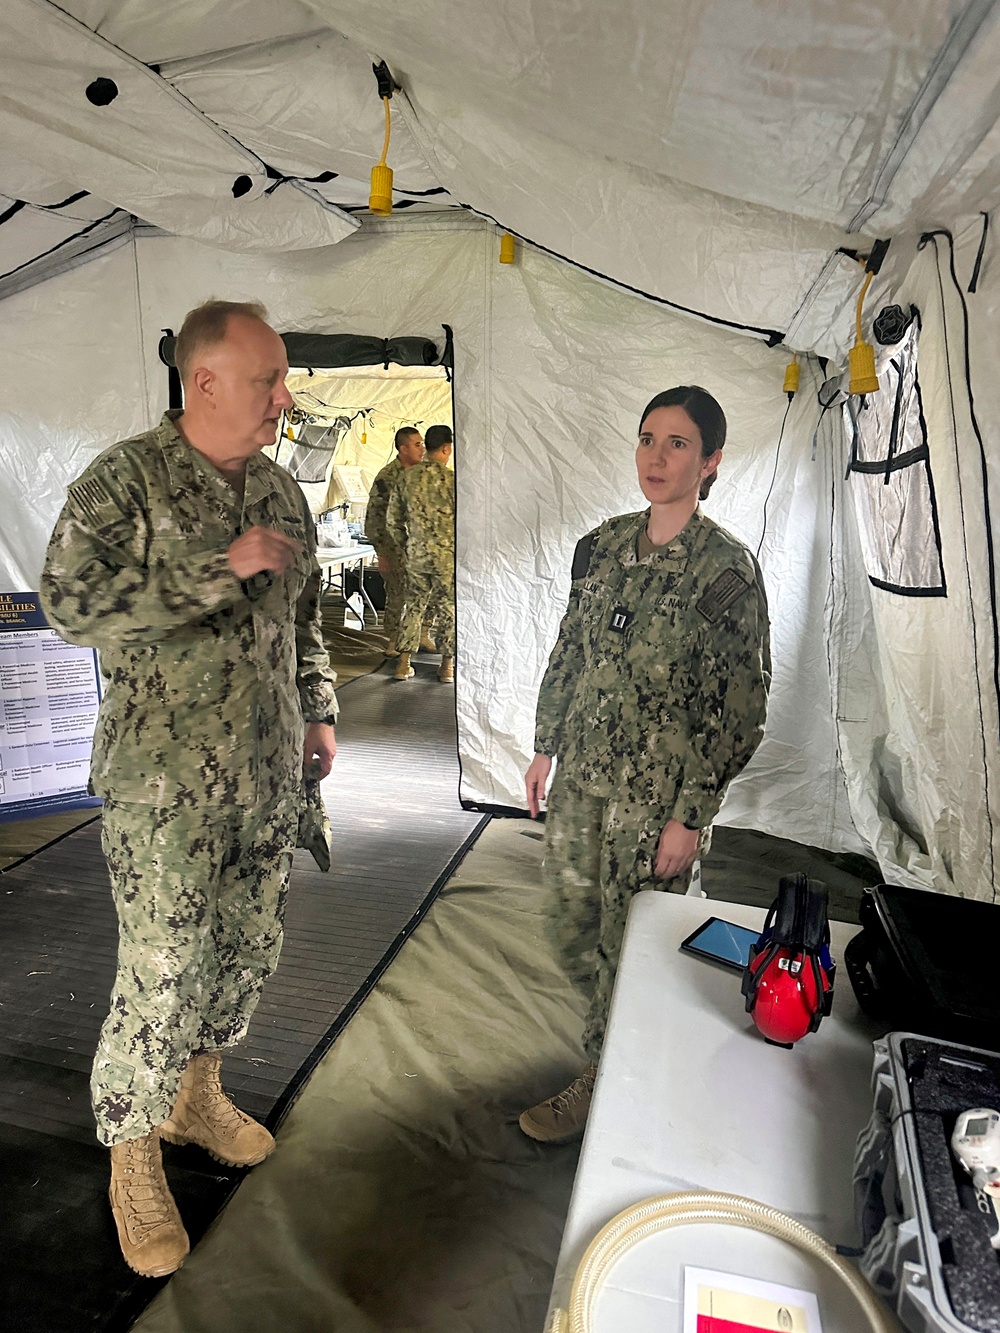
x,y
657,685
207,678
378,502
421,517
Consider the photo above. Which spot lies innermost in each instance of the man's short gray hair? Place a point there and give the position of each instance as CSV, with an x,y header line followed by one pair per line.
x,y
205,326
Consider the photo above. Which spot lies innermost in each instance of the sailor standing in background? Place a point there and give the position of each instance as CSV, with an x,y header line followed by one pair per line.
x,y
421,517
391,559
653,700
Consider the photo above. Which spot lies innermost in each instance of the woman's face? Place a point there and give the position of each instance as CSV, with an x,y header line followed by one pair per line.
x,y
669,458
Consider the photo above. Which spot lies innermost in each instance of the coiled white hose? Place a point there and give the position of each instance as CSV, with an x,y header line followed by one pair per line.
x,y
675,1210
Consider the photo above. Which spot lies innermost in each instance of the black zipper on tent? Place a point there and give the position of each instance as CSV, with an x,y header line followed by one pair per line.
x,y
18,204
898,365
772,336
974,281
8,213
932,236
65,203
52,249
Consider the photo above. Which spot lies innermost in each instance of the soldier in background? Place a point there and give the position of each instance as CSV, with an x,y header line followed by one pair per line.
x,y
187,558
391,559
653,700
422,515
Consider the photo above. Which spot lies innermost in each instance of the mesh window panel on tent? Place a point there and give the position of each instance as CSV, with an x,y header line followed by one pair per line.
x,y
310,456
891,480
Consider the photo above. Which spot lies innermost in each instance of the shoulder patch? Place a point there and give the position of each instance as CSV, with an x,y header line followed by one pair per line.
x,y
720,594
95,504
581,556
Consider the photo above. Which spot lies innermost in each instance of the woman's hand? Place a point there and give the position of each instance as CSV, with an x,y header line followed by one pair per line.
x,y
534,782
677,850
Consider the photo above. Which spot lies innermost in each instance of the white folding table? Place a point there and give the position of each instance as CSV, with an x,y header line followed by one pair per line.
x,y
334,559
689,1096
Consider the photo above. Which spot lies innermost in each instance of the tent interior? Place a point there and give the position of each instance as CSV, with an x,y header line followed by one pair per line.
x,y
699,193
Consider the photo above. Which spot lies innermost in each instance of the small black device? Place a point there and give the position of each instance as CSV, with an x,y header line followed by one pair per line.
x,y
722,942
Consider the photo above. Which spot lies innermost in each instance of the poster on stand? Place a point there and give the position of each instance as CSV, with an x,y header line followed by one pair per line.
x,y
49,695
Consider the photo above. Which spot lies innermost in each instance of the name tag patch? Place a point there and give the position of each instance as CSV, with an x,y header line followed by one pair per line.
x,y
720,595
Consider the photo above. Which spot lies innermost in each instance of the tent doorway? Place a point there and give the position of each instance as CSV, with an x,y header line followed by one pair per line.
x,y
334,440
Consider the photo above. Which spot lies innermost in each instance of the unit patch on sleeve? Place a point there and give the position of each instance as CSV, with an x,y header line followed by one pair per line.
x,y
721,594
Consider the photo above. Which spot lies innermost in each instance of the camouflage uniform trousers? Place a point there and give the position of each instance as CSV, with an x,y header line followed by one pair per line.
x,y
200,897
395,596
430,599
599,853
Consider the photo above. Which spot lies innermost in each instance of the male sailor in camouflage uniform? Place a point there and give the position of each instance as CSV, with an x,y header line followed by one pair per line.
x,y
653,700
391,559
188,559
421,516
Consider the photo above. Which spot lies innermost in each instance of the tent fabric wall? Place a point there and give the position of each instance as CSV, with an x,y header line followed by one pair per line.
x,y
68,392
878,702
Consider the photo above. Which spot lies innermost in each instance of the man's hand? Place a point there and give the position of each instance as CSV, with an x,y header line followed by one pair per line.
x,y
260,549
534,782
677,850
384,563
320,746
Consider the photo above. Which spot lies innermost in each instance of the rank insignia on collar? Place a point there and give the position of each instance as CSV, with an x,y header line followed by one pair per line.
x,y
620,620
720,595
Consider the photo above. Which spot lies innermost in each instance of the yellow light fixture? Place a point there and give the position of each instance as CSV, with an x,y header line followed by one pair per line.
x,y
791,385
508,250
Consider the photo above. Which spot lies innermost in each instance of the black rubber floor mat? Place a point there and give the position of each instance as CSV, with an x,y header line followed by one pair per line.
x,y
398,833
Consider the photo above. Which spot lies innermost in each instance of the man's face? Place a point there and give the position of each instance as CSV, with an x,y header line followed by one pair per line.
x,y
245,384
412,450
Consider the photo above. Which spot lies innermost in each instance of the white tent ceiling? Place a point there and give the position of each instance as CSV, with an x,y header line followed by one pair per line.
x,y
713,154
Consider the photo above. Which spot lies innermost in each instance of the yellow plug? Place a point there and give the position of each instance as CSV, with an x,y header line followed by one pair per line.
x,y
380,198
862,355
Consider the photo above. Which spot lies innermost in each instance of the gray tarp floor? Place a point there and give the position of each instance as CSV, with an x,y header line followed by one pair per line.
x,y
402,1195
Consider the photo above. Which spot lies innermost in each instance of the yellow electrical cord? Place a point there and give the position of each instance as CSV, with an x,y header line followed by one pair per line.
x,y
380,198
683,1209
861,299
388,131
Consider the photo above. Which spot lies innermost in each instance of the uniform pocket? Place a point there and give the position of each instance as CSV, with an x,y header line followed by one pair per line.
x,y
661,645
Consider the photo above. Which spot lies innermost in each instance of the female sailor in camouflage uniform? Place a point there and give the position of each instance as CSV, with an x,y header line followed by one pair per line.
x,y
653,700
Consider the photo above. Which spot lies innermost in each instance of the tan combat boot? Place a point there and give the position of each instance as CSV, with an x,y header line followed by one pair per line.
x,y
403,669
446,671
564,1116
203,1114
426,642
150,1231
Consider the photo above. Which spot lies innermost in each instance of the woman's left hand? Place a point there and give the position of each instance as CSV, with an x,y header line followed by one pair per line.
x,y
677,850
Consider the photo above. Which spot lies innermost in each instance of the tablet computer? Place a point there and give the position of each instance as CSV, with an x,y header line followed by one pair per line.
x,y
722,942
